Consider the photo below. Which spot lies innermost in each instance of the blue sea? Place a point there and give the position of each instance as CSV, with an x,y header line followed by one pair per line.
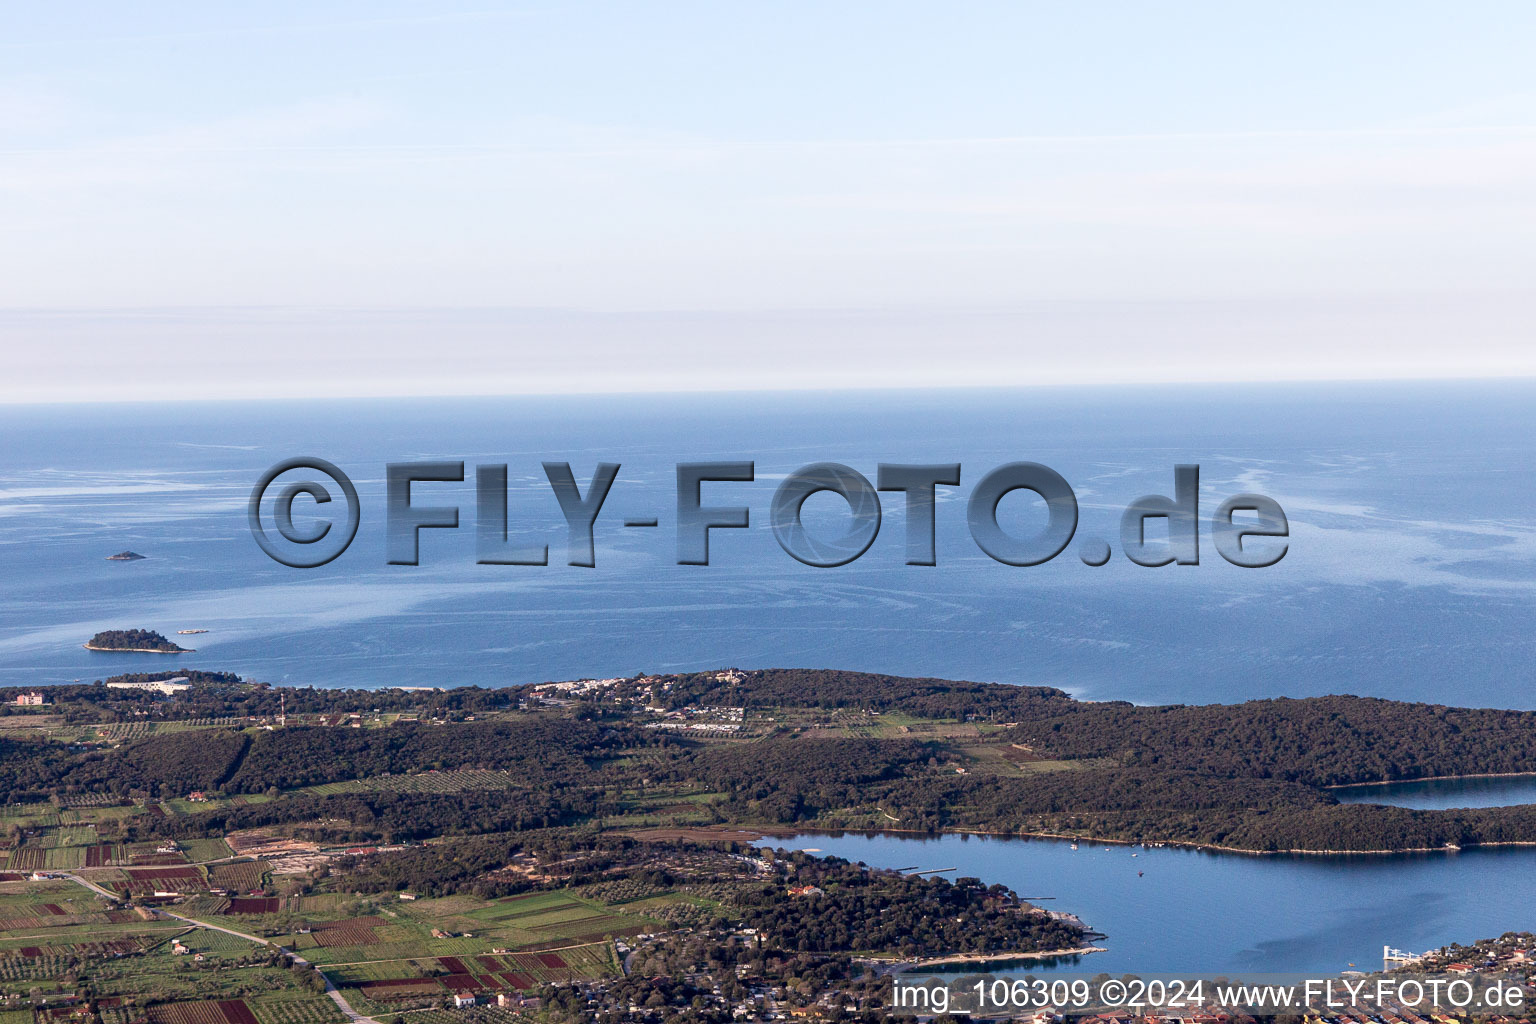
x,y
1410,570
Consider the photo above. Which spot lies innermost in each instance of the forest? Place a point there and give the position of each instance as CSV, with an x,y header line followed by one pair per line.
x,y
1249,776
1321,741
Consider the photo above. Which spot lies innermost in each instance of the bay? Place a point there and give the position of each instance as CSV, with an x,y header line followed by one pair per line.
x,y
1169,909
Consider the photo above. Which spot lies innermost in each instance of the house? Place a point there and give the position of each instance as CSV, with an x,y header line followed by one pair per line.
x,y
30,700
805,890
197,796
463,999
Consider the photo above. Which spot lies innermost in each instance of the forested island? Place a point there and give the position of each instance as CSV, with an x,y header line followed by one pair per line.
x,y
126,556
145,641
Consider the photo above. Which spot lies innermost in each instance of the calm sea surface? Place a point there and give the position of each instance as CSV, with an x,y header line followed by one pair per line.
x,y
1410,572
1184,910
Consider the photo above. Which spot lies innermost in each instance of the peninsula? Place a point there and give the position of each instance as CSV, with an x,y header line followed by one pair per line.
x,y
591,846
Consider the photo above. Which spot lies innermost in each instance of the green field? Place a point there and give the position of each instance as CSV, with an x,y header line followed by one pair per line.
x,y
536,920
426,782
296,1011
200,850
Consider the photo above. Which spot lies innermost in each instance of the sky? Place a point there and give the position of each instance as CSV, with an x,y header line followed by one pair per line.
x,y
325,199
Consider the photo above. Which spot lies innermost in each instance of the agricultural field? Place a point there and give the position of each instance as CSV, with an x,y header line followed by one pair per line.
x,y
473,1015
66,858
319,1010
186,880
199,851
208,1011
325,903
48,929
386,985
90,809
535,920
121,956
237,876
205,940
89,800
80,838
121,732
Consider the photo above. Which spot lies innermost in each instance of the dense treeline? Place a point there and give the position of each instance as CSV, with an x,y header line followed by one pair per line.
x,y
537,749
790,781
856,909
1242,775
544,751
170,765
1321,741
1318,740
195,676
859,909
223,694
834,688
473,865
358,818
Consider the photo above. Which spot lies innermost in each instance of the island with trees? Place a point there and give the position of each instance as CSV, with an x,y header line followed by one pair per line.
x,y
144,641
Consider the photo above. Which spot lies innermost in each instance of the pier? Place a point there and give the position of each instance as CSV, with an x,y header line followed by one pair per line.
x,y
1391,956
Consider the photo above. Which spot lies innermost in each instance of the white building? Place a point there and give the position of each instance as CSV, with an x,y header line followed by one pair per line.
x,y
167,687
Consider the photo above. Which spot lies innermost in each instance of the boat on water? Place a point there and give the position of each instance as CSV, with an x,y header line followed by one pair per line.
x,y
189,632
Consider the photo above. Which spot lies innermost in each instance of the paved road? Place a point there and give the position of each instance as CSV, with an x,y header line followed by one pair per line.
x,y
330,988
98,890
218,928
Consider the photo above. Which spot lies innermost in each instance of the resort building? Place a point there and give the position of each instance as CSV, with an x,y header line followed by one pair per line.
x,y
162,686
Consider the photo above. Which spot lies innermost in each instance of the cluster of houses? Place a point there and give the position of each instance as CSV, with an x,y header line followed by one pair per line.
x,y
707,719
506,1000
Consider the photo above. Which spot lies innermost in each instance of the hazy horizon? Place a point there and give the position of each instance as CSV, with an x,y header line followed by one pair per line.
x,y
387,199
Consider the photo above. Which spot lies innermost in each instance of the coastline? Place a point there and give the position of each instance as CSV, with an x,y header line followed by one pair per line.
x,y
139,650
783,832
961,959
1431,778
